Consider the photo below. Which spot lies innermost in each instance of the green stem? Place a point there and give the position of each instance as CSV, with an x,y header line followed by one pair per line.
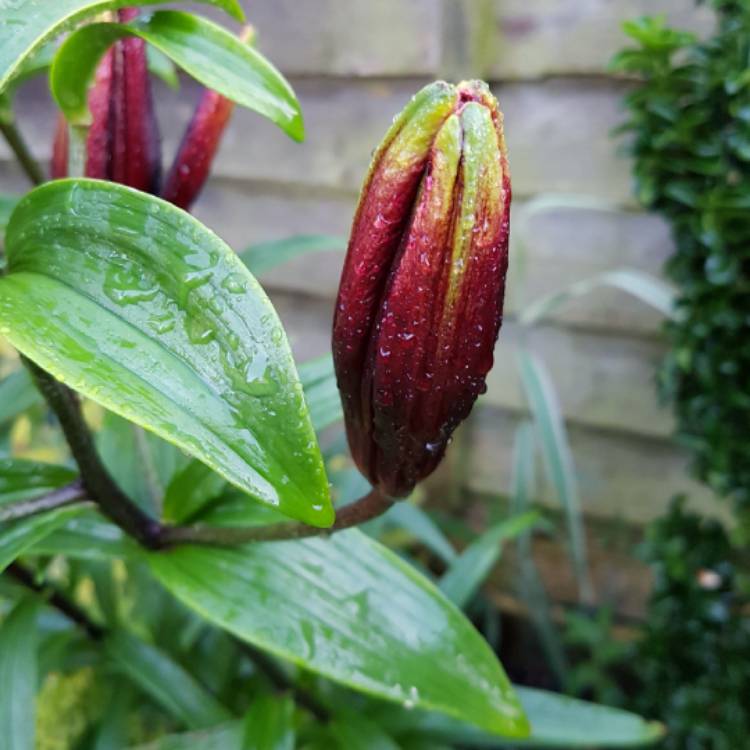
x,y
96,480
68,495
22,153
77,153
370,506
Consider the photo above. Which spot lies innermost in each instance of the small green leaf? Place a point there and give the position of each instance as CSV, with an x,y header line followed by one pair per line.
x,y
270,724
268,255
351,610
138,306
209,53
165,681
189,490
18,673
25,25
467,572
17,394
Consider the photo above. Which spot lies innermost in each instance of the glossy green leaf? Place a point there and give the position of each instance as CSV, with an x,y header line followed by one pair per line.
x,y
138,306
268,255
467,572
25,25
556,722
17,394
270,723
18,675
225,737
7,204
351,610
643,286
356,732
168,683
321,392
558,459
209,53
190,489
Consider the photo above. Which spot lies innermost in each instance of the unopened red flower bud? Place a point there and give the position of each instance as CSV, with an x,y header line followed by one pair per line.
x,y
123,140
420,303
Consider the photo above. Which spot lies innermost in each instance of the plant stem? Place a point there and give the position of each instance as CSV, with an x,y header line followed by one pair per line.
x,y
95,478
370,506
77,153
68,495
22,153
57,599
279,679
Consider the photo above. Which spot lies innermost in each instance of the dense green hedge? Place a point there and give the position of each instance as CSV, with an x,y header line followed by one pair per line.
x,y
689,118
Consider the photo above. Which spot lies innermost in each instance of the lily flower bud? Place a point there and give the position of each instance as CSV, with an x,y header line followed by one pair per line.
x,y
420,302
123,140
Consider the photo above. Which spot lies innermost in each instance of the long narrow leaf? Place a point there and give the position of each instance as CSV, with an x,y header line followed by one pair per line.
x,y
268,255
643,286
558,460
270,724
156,319
168,683
17,394
530,586
321,392
413,519
467,572
25,25
18,675
209,53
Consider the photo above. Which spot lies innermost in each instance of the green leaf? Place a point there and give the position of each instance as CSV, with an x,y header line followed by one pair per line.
x,y
162,67
558,459
467,572
18,673
270,724
26,25
267,255
529,585
209,53
355,732
139,461
226,737
17,394
18,536
321,392
87,536
556,722
7,204
156,319
22,480
642,286
173,688
189,490
351,610
413,519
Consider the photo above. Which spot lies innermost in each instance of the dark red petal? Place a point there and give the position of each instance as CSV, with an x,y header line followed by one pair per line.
x,y
192,163
99,142
59,163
